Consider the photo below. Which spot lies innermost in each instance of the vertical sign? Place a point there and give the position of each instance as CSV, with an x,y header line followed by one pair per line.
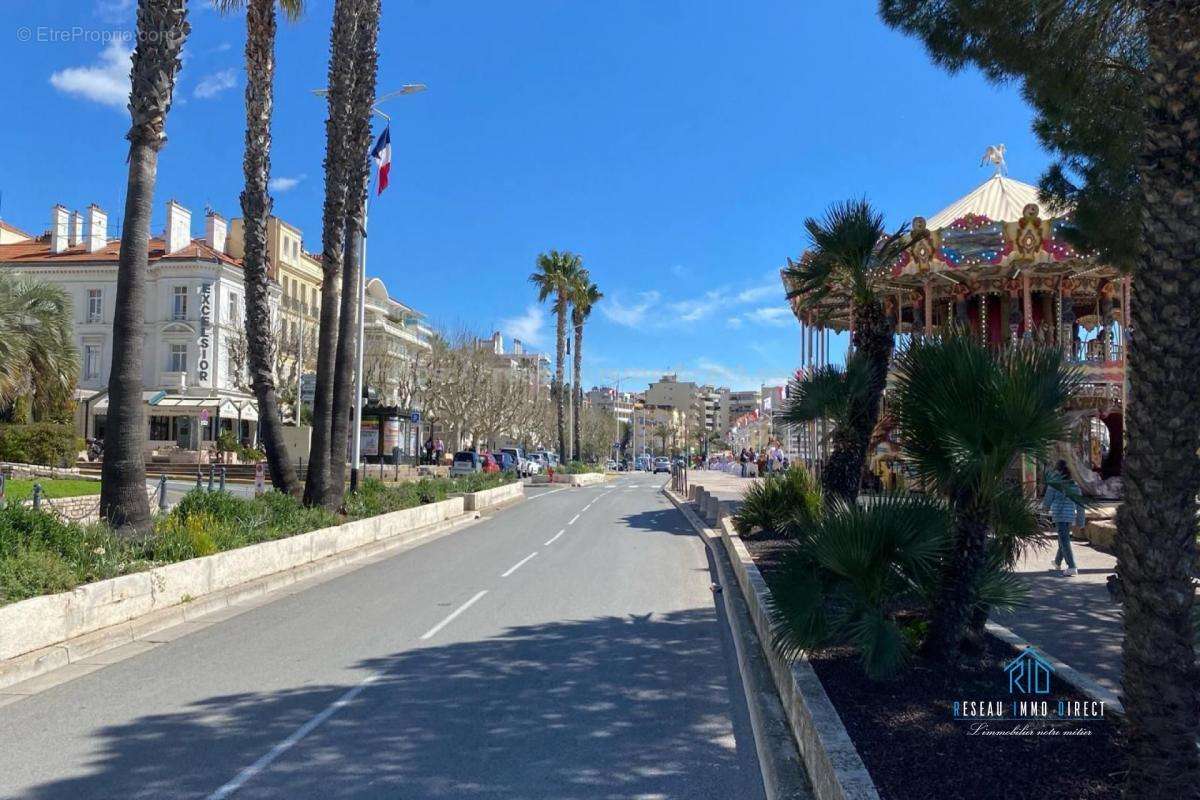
x,y
205,340
259,479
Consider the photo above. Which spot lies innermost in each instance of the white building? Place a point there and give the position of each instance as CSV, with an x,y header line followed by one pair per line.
x,y
609,401
194,299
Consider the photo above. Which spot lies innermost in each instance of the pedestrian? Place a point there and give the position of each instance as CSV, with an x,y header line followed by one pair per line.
x,y
1065,512
429,450
439,449
744,458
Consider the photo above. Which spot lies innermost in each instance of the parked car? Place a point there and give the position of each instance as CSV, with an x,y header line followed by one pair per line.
x,y
489,463
506,460
465,462
525,466
662,464
611,466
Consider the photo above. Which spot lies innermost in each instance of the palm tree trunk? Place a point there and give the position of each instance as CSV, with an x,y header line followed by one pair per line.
x,y
873,339
345,365
1156,525
338,172
955,598
560,355
162,27
256,210
577,416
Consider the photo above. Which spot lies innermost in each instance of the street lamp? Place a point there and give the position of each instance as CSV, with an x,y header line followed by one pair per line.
x,y
356,454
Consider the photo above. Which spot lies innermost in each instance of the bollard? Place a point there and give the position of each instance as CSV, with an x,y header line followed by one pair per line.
x,y
3,502
199,478
37,495
222,478
211,474
162,492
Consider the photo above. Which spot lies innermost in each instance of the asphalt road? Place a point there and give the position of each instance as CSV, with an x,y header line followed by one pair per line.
x,y
567,647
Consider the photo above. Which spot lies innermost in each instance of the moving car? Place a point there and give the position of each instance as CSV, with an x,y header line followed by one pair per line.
x,y
465,462
662,464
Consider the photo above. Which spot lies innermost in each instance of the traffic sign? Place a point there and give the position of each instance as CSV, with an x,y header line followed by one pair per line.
x,y
414,417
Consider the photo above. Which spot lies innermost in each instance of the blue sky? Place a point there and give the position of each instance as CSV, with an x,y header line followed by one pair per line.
x,y
677,145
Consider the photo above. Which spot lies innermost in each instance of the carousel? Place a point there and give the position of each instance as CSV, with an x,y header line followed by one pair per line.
x,y
996,261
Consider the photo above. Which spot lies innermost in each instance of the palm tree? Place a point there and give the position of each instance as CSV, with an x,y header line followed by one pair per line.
x,y
850,253
256,211
162,27
340,165
1156,540
663,431
837,395
966,416
555,275
345,365
39,362
584,295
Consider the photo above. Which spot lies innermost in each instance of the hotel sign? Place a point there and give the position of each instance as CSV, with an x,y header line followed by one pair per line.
x,y
205,341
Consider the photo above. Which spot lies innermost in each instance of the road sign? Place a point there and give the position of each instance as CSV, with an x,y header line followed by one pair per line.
x,y
204,416
259,479
308,388
414,417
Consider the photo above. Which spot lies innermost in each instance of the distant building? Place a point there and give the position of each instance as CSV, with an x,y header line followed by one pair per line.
x,y
609,401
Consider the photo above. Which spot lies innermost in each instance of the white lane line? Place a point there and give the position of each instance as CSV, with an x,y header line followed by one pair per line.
x,y
572,522
281,748
433,631
543,494
555,536
519,564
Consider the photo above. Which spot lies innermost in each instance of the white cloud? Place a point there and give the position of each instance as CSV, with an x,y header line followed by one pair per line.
x,y
105,82
114,10
698,308
283,184
733,322
771,315
757,294
528,327
214,83
631,315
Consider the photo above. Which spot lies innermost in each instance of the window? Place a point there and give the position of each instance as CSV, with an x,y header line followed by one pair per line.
x,y
91,361
95,306
178,358
233,307
179,303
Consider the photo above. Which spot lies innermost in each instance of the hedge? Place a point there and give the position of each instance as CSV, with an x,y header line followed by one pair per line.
x,y
44,443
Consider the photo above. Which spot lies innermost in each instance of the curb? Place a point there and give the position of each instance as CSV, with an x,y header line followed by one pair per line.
x,y
37,663
834,766
783,773
1065,671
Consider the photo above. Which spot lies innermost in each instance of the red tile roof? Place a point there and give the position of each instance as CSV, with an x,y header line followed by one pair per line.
x,y
38,251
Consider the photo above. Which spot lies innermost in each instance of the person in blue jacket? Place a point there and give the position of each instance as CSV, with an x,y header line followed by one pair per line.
x,y
1065,512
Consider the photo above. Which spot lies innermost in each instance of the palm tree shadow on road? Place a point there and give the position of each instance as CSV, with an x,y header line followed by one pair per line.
x,y
583,709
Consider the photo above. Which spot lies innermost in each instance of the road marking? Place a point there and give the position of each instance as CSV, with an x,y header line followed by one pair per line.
x,y
433,631
543,494
555,536
281,748
572,522
514,568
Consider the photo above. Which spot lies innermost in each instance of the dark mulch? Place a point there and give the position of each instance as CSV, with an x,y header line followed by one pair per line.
x,y
914,749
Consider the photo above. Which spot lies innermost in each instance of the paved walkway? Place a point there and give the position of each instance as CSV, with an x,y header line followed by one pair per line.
x,y
1072,619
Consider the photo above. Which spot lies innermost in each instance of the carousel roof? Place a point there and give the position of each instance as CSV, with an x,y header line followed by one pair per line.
x,y
999,198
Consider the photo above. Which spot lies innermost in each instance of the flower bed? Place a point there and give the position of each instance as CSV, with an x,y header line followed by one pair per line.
x,y
41,555
891,720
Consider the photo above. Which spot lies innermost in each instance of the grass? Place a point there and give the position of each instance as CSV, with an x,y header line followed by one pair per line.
x,y
21,489
41,555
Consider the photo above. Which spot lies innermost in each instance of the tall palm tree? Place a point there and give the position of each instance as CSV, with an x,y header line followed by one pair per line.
x,y
556,273
365,69
966,416
340,166
256,212
39,362
850,253
1156,541
162,27
837,395
584,295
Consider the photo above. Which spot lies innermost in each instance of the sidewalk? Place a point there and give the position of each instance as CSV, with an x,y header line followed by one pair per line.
x,y
1072,619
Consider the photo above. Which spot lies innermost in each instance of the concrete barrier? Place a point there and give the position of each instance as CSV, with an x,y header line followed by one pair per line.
x,y
1101,534
476,501
42,622
583,479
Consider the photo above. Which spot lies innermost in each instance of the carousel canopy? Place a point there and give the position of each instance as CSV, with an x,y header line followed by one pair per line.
x,y
998,198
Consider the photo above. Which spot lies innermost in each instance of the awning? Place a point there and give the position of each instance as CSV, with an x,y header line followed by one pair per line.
x,y
159,403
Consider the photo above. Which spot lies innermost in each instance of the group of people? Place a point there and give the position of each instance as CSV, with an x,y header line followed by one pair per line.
x,y
434,450
771,459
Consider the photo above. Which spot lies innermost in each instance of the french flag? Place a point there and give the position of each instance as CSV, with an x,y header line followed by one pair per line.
x,y
382,153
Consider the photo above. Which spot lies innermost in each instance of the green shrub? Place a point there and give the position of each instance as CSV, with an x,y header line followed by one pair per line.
x,y
578,468
29,573
40,443
780,503
227,442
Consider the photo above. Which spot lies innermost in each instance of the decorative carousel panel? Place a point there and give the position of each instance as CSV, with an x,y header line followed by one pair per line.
x,y
973,240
